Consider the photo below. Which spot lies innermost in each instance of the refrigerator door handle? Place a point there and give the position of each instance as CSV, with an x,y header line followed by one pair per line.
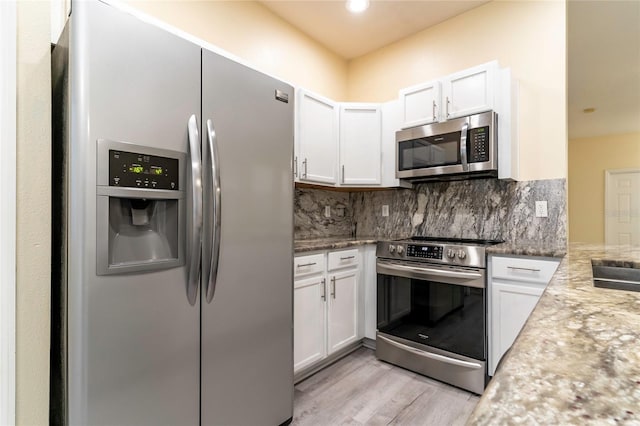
x,y
216,208
196,200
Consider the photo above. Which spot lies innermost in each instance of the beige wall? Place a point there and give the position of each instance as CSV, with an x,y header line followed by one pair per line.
x,y
588,160
252,32
33,246
527,36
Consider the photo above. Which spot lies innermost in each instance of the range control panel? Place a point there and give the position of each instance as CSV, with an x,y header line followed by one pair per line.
x,y
424,252
133,170
478,144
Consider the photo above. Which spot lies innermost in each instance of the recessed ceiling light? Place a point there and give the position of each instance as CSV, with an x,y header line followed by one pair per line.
x,y
588,110
357,6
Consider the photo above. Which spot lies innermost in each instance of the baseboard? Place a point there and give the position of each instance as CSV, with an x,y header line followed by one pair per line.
x,y
322,364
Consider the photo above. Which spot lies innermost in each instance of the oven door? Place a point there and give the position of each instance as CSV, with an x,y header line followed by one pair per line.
x,y
431,319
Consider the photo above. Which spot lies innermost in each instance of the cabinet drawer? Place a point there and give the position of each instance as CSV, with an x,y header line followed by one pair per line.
x,y
343,259
523,269
306,265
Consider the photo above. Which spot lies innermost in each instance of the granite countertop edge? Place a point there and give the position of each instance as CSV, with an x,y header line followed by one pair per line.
x,y
331,243
516,249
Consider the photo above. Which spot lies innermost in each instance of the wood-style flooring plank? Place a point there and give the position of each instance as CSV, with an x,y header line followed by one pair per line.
x,y
361,390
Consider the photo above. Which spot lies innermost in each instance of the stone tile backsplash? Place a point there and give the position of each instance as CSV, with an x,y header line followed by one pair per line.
x,y
478,208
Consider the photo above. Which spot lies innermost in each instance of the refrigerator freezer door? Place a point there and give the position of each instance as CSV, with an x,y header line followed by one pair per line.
x,y
133,354
247,344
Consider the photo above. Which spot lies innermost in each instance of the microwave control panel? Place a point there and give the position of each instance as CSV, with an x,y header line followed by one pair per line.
x,y
133,170
478,144
424,252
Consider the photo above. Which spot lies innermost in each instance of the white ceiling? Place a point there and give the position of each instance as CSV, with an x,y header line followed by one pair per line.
x,y
352,35
603,48
604,67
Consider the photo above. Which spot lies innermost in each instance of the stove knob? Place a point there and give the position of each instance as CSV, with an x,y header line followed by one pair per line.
x,y
400,250
462,254
451,254
392,248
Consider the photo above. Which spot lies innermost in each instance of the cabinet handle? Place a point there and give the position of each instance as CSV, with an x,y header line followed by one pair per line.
x,y
305,264
333,283
347,257
447,110
305,168
324,289
434,111
343,173
295,166
523,269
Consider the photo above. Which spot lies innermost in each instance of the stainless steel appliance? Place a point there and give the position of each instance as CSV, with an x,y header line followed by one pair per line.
x,y
455,149
172,296
431,308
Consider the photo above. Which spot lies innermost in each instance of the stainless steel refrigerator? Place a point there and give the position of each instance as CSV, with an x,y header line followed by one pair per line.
x,y
173,245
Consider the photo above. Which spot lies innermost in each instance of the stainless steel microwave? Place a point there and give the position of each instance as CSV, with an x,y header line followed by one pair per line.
x,y
461,148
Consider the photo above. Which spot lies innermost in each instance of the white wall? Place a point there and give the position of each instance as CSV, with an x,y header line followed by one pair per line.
x,y
33,269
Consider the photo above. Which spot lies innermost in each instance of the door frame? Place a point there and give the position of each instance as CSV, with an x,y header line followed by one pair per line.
x,y
608,175
8,91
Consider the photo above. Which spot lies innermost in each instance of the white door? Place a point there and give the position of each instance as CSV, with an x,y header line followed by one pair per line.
x,y
470,91
511,305
343,309
622,207
309,324
317,138
360,144
420,104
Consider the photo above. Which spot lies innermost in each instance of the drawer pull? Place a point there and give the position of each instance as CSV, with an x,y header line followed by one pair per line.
x,y
347,257
523,269
305,264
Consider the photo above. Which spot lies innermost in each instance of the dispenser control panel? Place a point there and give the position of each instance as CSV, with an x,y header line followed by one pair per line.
x,y
133,170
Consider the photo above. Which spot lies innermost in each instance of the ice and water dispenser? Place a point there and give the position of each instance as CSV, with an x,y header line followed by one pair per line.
x,y
140,208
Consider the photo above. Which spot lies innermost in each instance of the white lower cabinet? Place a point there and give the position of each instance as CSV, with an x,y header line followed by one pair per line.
x,y
515,286
309,321
327,314
343,309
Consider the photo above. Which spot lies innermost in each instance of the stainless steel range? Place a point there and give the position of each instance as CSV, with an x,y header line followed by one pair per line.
x,y
431,308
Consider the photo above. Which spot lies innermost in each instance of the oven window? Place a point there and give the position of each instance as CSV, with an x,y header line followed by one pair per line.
x,y
445,316
441,150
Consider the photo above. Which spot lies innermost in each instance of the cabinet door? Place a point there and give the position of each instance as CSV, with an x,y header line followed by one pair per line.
x,y
343,309
420,104
511,305
309,321
470,91
360,144
317,138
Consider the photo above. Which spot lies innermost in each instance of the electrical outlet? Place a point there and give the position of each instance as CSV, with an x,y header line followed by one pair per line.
x,y
385,210
541,209
327,211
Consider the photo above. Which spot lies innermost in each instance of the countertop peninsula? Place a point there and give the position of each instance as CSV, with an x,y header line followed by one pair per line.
x,y
577,359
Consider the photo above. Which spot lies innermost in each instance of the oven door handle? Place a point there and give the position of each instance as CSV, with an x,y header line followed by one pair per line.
x,y
394,267
436,357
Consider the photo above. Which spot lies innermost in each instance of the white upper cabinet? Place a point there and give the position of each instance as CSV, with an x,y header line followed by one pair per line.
x,y
420,104
360,144
470,91
316,139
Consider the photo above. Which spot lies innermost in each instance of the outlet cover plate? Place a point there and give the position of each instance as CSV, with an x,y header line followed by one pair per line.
x,y
541,209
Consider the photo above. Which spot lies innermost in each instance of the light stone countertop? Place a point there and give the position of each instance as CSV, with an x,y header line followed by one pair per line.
x,y
331,243
577,359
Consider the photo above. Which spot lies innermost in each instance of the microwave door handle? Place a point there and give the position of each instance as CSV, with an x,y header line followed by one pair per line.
x,y
463,147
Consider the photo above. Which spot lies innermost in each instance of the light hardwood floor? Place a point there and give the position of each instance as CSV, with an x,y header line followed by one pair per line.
x,y
360,390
